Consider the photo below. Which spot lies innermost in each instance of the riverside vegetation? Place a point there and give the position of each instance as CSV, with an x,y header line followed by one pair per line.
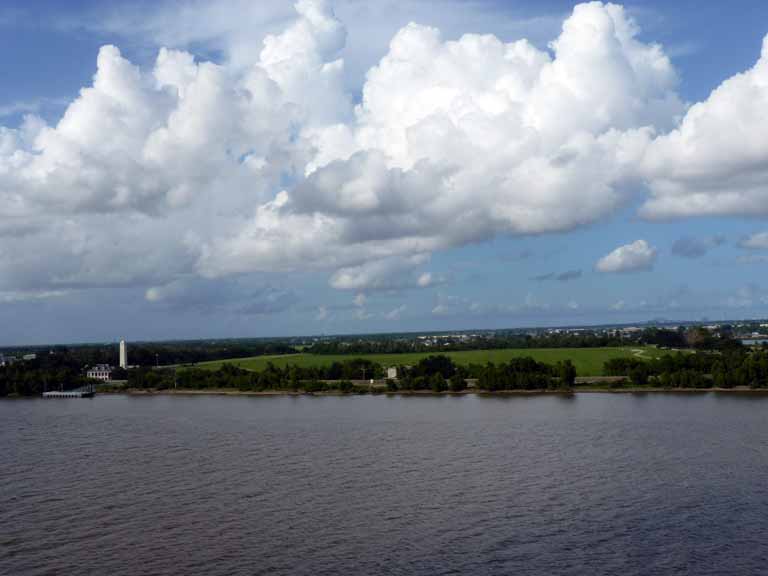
x,y
737,368
437,373
723,363
730,368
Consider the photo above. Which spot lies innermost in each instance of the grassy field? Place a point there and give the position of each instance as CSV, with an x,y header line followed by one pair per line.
x,y
588,361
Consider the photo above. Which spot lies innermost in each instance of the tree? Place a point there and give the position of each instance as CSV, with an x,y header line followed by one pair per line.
x,y
119,374
567,373
639,375
719,380
436,364
437,383
620,366
313,386
698,338
457,383
489,379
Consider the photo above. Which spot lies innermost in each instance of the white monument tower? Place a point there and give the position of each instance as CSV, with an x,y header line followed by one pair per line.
x,y
123,355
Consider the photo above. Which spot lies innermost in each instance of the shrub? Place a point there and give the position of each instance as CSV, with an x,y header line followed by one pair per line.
x,y
457,383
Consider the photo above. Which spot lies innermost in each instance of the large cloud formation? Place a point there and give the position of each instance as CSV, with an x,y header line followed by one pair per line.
x,y
145,167
199,168
457,141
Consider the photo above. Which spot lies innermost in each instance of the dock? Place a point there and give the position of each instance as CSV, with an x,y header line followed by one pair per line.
x,y
84,392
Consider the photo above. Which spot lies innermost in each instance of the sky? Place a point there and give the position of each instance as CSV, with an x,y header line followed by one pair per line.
x,y
239,168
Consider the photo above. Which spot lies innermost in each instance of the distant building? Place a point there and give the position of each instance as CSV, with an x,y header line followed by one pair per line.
x,y
100,372
631,329
392,373
7,360
28,357
123,355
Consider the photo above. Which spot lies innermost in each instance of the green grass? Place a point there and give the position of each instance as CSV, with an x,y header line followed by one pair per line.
x,y
588,361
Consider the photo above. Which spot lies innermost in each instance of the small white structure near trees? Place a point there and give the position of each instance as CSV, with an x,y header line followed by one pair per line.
x,y
101,372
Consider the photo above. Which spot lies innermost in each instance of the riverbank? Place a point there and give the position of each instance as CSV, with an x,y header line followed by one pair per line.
x,y
379,392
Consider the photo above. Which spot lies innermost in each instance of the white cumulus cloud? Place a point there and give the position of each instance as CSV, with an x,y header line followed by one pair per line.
x,y
457,141
716,161
395,313
425,280
638,255
261,164
146,166
758,241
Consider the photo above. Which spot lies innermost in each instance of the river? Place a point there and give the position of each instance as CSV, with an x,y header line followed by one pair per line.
x,y
583,484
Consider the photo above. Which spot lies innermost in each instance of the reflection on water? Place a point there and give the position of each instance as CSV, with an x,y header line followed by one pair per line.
x,y
518,484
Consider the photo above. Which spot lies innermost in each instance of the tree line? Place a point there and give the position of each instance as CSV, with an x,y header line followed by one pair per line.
x,y
437,373
152,354
729,368
26,379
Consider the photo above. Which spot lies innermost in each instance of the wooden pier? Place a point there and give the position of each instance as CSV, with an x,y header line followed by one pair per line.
x,y
84,392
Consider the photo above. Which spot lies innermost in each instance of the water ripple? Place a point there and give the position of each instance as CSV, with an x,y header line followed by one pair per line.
x,y
534,485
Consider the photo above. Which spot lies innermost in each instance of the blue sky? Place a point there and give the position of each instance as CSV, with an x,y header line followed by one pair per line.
x,y
251,197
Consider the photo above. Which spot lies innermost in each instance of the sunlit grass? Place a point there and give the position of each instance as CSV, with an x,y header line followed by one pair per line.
x,y
588,361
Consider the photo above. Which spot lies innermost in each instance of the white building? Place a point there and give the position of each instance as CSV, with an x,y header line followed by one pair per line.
x,y
392,373
100,372
123,355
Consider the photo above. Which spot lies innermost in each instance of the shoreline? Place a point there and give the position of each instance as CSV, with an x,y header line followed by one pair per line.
x,y
584,390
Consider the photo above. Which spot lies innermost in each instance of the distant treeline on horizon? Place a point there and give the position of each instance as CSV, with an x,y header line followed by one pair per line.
x,y
192,352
